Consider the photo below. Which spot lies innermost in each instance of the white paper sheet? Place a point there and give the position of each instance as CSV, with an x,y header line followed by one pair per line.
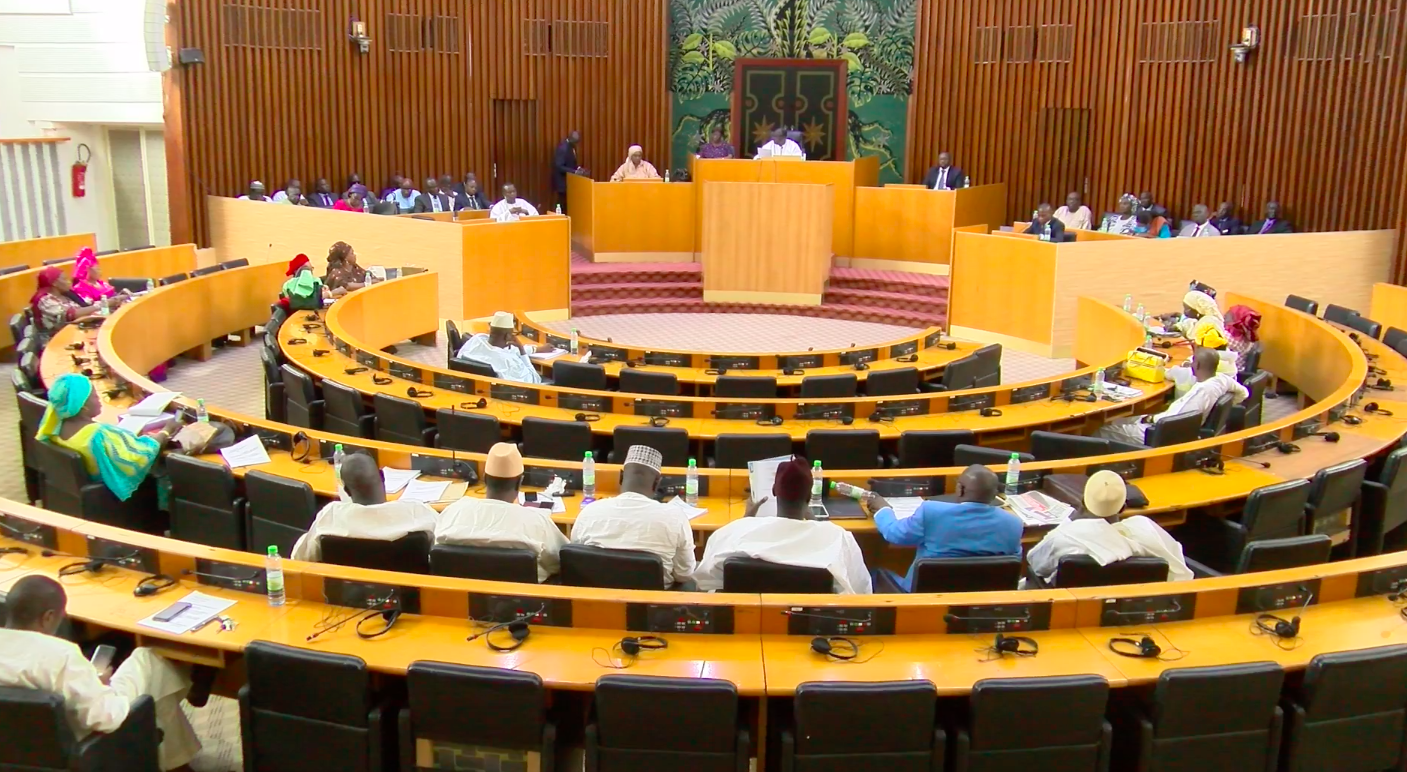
x,y
683,506
397,478
203,609
420,490
543,355
154,404
137,423
905,506
558,506
246,452
760,476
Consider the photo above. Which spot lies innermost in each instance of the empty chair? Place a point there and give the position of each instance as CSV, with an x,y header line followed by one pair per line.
x,y
465,430
1365,325
498,564
473,367
134,249
409,554
129,285
584,566
344,412
441,698
172,279
989,363
920,449
633,381
882,383
1339,314
1382,508
1035,723
741,574
673,444
967,455
454,339
69,490
844,448
206,271
1212,718
280,510
228,264
1348,714
1248,414
745,386
1174,430
900,732
1396,340
824,386
734,451
302,710
1306,305
19,325
1272,512
205,507
59,260
402,420
275,396
1215,422
1275,554
562,440
302,405
36,736
1333,490
705,731
1054,446
975,574
579,375
107,252
1085,571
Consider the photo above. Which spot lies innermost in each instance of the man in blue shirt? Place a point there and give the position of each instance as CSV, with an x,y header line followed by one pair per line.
x,y
970,527
404,196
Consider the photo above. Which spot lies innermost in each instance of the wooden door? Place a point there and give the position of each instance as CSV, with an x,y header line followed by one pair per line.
x,y
1065,155
519,156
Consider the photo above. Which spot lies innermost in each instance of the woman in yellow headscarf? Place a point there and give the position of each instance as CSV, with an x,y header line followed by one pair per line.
x,y
1200,312
121,459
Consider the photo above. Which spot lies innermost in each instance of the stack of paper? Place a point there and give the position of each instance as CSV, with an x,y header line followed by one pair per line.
x,y
1118,392
1036,508
690,512
139,423
246,452
430,492
154,404
760,476
904,506
397,478
203,608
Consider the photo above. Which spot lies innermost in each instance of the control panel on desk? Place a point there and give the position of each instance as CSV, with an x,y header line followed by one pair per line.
x,y
498,609
839,621
998,619
699,619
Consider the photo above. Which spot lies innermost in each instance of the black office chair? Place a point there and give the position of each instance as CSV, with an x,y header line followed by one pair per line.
x,y
920,449
9,269
172,279
1306,305
979,574
1035,723
578,375
59,260
275,396
471,367
1382,508
280,510
900,732
1054,446
1249,363
1085,571
751,575
135,249
402,420
884,383
746,386
205,505
825,386
734,451
497,564
673,444
844,448
584,566
1339,314
446,704
1275,554
1333,490
465,430
1248,414
1365,325
561,440
35,736
967,455
1173,430
31,409
705,732
344,412
1209,718
133,285
19,325
633,381
302,709
1272,512
1396,340
1215,422
302,405
1349,712
409,554
206,271
228,264
990,359
454,339
69,490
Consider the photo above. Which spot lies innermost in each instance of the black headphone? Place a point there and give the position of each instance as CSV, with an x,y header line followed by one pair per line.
x,y
861,366
297,341
587,417
321,352
380,380
415,393
792,371
354,370
153,584
949,345
716,371
836,647
1019,645
632,646
846,420
520,631
1144,647
389,616
907,358
1287,447
1353,420
632,363
659,421
1212,465
1328,436
879,417
1372,407
1279,627
480,405
989,412
301,457
775,420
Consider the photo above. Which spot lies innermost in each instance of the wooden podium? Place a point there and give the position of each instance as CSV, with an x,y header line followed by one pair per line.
x,y
766,242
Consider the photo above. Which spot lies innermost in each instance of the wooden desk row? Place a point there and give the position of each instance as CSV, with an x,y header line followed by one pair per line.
x,y
33,252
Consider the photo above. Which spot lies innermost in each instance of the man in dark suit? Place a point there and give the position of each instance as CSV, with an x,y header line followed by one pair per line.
x,y
322,195
472,197
945,176
1226,222
1045,226
1271,223
432,200
564,162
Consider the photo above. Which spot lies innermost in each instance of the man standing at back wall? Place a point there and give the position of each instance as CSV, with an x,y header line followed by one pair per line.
x,y
564,162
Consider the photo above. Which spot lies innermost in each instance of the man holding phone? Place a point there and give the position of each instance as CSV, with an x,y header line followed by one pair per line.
x,y
95,700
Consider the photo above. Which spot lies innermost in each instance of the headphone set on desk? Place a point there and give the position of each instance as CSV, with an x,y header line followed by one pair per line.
x,y
990,412
517,627
716,371
321,352
907,358
1016,645
1375,409
792,371
836,647
354,370
301,456
659,421
381,380
861,366
1143,647
479,405
389,616
587,417
297,341
415,393
629,648
1279,627
153,584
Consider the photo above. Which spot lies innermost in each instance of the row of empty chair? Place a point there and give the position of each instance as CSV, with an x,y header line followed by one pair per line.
x,y
1393,337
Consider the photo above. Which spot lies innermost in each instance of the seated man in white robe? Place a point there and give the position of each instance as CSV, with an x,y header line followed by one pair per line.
x,y
511,207
368,515
500,350
35,658
498,520
633,520
1106,538
791,538
780,145
1200,399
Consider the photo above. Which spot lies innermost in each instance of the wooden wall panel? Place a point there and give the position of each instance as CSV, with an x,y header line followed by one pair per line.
x,y
1128,95
284,94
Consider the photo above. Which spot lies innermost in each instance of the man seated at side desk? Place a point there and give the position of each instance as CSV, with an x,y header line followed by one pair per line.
x,y
367,515
1200,399
945,176
499,350
498,520
969,527
1201,225
434,199
780,145
1045,227
791,538
511,208
1271,223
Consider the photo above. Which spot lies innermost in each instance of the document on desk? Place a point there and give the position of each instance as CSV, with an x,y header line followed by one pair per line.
x,y
1036,508
760,476
138,423
246,452
397,478
558,507
690,512
544,355
904,506
203,608
154,404
420,490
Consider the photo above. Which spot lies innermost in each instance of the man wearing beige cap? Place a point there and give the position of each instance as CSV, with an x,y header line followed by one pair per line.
x,y
498,520
1104,537
500,350
635,521
368,515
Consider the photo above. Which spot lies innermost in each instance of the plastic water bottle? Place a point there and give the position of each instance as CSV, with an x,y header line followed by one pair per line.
x,y
338,456
691,484
1098,387
588,477
846,489
1013,475
559,209
273,576
1128,304
967,183
1140,314
666,175
576,341
817,481
201,414
151,285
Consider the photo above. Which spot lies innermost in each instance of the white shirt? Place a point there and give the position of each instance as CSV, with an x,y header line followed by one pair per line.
x,y
385,522
494,523
634,522
1202,397
506,362
1080,219
1193,230
500,212
941,182
265,199
788,542
36,661
788,147
1107,543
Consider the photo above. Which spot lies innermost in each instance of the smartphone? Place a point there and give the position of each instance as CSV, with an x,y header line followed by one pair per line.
x,y
103,656
171,612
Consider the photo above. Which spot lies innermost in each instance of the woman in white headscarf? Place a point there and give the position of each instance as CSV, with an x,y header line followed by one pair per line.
x,y
1123,220
1199,311
635,167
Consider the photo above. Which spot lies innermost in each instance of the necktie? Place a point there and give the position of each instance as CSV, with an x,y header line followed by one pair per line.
x,y
942,179
1266,227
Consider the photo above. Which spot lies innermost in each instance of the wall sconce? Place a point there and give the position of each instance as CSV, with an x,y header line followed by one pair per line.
x,y
357,34
1250,41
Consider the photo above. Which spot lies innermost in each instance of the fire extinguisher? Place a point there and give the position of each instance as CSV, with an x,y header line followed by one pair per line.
x,y
80,171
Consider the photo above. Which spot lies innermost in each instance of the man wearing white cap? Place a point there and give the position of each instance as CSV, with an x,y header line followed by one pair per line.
x,y
635,166
256,193
635,521
500,350
1104,537
497,520
368,515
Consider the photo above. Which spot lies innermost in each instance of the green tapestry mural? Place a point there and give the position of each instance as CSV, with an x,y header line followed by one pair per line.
x,y
874,37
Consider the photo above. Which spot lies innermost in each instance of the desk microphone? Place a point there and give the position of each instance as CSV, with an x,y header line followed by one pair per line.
x,y
253,576
1245,460
19,531
1113,614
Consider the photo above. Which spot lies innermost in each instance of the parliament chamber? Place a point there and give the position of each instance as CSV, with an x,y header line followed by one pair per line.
x,y
239,464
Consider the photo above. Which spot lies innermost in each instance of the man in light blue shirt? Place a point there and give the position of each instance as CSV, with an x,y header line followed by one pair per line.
x,y
404,196
969,527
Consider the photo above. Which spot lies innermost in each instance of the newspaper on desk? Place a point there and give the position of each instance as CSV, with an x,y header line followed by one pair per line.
x,y
1120,393
153,405
1036,508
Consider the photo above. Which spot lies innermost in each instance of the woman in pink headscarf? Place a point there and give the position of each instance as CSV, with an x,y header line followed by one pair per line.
x,y
88,278
52,306
1243,328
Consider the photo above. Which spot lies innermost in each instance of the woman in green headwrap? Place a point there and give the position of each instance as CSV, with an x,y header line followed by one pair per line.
x,y
121,459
